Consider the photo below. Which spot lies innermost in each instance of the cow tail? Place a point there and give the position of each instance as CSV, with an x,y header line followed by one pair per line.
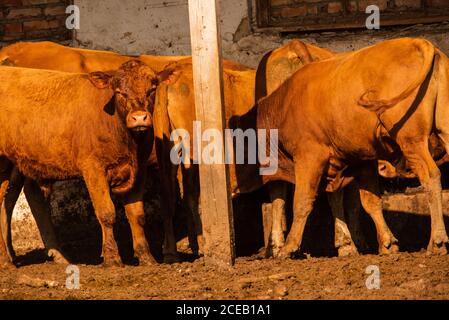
x,y
379,106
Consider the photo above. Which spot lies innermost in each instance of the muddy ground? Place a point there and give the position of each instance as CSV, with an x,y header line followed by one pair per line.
x,y
315,274
402,276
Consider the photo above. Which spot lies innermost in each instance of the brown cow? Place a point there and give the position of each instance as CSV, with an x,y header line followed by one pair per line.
x,y
54,56
340,139
174,109
93,126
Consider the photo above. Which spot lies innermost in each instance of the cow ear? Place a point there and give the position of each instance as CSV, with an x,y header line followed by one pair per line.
x,y
300,49
168,74
101,80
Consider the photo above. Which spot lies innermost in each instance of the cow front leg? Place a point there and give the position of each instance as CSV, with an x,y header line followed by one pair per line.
x,y
423,165
134,209
98,188
5,174
41,210
16,183
372,203
343,240
169,195
136,217
353,210
309,168
190,197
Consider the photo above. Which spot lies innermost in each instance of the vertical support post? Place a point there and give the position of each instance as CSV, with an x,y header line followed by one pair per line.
x,y
216,205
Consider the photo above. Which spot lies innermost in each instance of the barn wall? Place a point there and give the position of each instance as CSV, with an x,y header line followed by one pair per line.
x,y
161,27
33,20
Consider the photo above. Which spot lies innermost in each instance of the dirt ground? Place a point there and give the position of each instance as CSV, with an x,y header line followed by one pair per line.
x,y
316,274
402,276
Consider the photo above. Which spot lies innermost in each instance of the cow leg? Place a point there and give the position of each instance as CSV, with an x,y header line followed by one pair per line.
x,y
423,165
353,209
5,174
372,203
98,188
169,195
134,209
309,168
41,210
278,194
343,240
136,217
190,196
15,187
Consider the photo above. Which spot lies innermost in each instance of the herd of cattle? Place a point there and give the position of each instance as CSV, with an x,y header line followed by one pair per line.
x,y
342,120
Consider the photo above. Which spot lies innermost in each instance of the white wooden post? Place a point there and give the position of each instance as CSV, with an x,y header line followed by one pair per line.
x,y
216,205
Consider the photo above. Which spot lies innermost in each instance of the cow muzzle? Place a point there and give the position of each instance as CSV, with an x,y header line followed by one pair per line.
x,y
138,121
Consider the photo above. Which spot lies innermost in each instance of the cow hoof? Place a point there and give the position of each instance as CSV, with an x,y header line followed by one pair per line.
x,y
434,249
57,257
112,262
383,250
283,255
348,251
6,265
437,244
147,260
171,258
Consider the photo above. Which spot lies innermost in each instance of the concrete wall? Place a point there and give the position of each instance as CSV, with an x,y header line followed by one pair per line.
x,y
162,27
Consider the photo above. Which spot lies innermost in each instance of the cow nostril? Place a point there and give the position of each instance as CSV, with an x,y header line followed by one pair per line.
x,y
145,117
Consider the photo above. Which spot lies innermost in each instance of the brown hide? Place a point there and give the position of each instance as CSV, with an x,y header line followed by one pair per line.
x,y
330,91
52,121
175,109
58,125
283,62
53,56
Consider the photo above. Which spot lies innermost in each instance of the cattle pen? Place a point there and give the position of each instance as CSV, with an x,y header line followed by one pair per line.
x,y
211,181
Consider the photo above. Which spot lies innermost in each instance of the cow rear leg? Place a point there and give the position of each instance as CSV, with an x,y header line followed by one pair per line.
x,y
423,165
343,240
41,210
276,238
309,168
353,209
169,196
190,196
5,174
7,209
98,188
372,203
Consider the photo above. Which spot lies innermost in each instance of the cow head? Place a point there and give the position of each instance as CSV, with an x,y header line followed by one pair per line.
x,y
134,86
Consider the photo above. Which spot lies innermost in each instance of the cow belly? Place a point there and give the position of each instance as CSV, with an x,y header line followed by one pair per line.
x,y
47,170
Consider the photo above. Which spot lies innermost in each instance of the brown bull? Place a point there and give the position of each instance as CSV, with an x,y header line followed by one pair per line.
x,y
175,109
94,126
325,131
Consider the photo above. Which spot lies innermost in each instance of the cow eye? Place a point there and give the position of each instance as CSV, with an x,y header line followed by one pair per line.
x,y
122,94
